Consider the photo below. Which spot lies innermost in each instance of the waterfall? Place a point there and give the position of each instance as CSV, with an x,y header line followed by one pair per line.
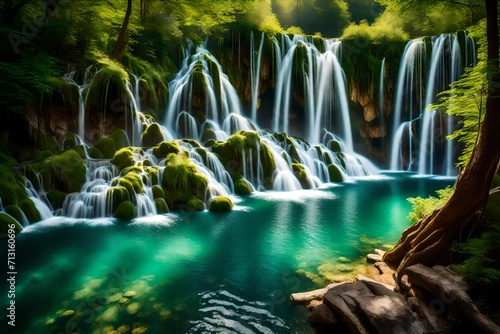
x,y
417,87
408,95
87,79
381,91
255,65
324,89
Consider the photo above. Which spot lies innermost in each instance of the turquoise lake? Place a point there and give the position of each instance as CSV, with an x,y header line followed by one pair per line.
x,y
199,272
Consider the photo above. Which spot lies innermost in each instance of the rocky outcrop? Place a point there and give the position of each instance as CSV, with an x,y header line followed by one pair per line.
x,y
431,296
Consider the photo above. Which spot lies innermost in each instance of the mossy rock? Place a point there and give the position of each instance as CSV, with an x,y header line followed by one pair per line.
x,y
280,136
335,173
242,186
68,169
48,143
182,181
152,175
334,146
221,203
208,134
195,203
152,135
30,210
69,142
123,158
131,181
41,156
107,147
116,196
81,150
341,158
15,211
56,199
120,138
5,221
301,174
94,153
125,211
131,169
191,142
162,150
11,192
161,206
158,192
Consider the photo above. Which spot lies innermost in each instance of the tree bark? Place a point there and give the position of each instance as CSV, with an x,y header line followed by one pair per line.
x,y
428,240
121,42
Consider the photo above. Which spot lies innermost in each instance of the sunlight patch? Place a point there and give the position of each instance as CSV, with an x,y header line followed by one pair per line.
x,y
299,196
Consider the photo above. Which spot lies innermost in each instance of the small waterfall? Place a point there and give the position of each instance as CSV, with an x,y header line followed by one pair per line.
x,y
201,73
408,97
87,79
381,91
417,88
255,65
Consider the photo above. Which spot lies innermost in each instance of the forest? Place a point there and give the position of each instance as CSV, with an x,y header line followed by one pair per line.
x,y
189,165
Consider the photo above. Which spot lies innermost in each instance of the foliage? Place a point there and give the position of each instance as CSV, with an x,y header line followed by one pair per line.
x,y
425,206
387,28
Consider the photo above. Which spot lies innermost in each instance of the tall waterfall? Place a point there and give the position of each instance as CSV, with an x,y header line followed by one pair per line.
x,y
419,135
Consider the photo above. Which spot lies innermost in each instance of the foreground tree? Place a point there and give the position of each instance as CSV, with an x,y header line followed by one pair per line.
x,y
428,241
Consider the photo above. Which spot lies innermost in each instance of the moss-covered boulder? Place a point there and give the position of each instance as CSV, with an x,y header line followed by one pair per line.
x,y
6,222
221,203
334,146
48,143
107,147
158,192
81,150
56,199
120,138
67,170
242,186
335,173
152,135
246,142
301,174
123,158
182,181
11,192
69,142
30,210
194,203
125,211
162,150
116,196
94,153
161,205
131,181
15,211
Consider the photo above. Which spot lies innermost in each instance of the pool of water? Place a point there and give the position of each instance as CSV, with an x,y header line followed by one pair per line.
x,y
198,272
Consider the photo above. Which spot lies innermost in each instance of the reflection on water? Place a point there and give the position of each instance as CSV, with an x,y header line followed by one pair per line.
x,y
205,272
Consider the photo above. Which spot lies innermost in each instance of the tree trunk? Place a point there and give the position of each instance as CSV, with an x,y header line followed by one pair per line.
x,y
428,240
121,42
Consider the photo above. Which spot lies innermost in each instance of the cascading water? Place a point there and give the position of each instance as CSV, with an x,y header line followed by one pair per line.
x,y
255,65
417,88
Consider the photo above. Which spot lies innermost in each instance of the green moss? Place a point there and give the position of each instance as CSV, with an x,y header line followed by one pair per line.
x,y
81,150
334,146
335,173
69,142
191,142
152,175
161,206
107,147
125,211
41,156
68,169
157,192
492,209
152,136
181,181
56,199
120,138
123,158
48,143
94,153
162,150
5,221
134,169
195,203
15,212
208,134
221,203
30,210
300,173
131,181
116,196
242,186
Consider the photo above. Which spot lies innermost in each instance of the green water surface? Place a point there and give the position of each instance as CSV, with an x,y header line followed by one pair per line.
x,y
199,272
